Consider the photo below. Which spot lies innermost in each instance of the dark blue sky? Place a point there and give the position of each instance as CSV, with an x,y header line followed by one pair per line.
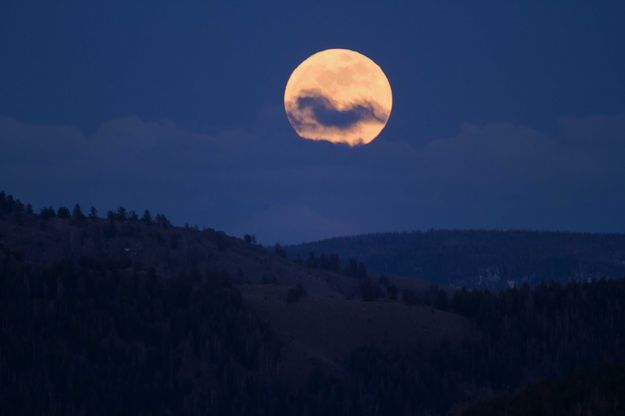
x,y
506,114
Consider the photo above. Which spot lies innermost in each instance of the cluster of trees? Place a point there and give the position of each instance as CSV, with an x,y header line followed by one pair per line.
x,y
105,337
369,289
332,262
9,204
249,239
599,391
279,250
541,332
81,340
123,215
63,212
524,335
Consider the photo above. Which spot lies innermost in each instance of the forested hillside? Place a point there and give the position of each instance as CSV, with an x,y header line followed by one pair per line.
x,y
156,319
479,258
105,340
597,392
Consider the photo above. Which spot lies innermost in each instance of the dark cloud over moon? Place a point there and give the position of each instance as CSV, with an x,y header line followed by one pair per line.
x,y
325,112
314,111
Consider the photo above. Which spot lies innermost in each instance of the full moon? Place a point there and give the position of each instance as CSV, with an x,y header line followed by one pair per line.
x,y
340,96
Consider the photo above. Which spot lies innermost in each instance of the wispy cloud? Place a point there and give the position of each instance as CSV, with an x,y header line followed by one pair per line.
x,y
266,182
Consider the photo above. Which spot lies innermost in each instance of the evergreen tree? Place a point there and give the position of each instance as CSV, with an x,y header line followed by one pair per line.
x,y
121,214
47,213
312,262
279,250
146,217
162,220
77,213
63,212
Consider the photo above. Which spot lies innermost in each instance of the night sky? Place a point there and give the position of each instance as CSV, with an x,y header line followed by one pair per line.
x,y
505,114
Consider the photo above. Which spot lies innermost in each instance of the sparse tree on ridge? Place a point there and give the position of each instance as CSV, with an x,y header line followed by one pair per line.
x,y
77,213
121,214
146,217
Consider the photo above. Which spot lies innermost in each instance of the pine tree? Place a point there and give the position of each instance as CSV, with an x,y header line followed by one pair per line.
x,y
63,212
146,217
77,213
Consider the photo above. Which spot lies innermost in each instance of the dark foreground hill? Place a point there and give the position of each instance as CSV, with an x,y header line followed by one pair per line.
x,y
127,316
590,392
481,259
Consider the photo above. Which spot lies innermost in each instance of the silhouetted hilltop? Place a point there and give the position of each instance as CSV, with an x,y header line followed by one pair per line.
x,y
124,239
479,258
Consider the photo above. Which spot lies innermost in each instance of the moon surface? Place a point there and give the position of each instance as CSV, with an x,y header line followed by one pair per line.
x,y
340,96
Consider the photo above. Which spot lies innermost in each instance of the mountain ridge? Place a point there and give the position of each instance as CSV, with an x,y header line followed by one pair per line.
x,y
481,258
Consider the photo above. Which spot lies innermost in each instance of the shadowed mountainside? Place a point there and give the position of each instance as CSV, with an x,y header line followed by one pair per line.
x,y
590,392
128,315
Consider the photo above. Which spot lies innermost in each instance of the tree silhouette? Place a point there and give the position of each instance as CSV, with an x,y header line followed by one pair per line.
x,y
280,252
146,217
47,213
63,212
77,213
121,214
162,220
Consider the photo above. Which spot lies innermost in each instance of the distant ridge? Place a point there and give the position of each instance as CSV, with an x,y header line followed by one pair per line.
x,y
481,258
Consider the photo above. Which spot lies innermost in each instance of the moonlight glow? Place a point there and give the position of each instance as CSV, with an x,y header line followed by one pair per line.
x,y
340,96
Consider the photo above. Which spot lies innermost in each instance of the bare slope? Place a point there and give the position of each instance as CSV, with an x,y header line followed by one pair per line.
x,y
327,329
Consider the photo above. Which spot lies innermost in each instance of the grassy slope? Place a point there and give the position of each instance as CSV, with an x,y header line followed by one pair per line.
x,y
326,329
